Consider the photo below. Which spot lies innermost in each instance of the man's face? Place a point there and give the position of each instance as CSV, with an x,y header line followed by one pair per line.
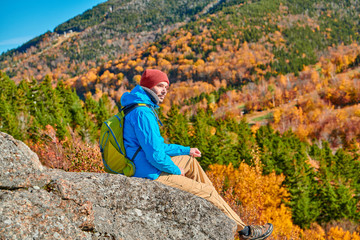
x,y
160,90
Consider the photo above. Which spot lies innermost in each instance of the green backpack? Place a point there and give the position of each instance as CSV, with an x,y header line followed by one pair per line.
x,y
112,144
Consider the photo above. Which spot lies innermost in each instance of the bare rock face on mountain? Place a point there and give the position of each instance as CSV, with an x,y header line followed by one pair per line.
x,y
41,203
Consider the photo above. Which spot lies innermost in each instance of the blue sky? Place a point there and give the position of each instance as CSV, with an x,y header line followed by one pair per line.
x,y
22,20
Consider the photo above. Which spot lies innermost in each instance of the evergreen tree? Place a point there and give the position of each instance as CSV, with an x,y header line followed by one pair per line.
x,y
220,146
338,178
90,107
304,203
72,112
337,202
8,112
348,169
102,112
176,127
8,120
23,111
245,141
201,135
287,154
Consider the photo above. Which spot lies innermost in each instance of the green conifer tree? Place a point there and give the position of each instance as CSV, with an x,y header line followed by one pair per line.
x,y
201,136
8,111
221,146
288,155
103,110
176,127
246,143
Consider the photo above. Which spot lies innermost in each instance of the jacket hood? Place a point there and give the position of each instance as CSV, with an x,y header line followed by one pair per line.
x,y
138,95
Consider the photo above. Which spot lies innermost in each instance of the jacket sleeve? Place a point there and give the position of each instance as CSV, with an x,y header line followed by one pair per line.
x,y
148,134
176,150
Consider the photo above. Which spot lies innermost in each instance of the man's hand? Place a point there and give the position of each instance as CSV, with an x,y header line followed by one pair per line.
x,y
195,152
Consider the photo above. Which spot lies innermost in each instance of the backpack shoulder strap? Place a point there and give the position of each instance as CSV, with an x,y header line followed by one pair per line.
x,y
131,107
128,109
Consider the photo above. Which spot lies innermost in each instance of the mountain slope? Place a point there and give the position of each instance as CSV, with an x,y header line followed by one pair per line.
x,y
104,32
298,60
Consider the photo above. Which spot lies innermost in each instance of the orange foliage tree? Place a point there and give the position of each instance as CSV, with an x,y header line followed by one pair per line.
x,y
257,198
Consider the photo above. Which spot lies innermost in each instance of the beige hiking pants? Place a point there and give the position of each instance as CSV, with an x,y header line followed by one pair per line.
x,y
196,182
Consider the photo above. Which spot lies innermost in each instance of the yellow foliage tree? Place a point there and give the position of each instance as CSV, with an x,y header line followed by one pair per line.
x,y
261,198
258,198
339,234
137,79
315,232
139,69
151,61
132,63
107,76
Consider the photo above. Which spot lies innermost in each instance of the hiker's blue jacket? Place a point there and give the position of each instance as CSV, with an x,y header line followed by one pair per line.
x,y
141,128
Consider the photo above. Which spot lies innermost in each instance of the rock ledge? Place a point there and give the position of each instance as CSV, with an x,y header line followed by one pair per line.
x,y
41,203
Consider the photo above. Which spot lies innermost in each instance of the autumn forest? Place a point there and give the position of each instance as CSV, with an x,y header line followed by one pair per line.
x,y
268,90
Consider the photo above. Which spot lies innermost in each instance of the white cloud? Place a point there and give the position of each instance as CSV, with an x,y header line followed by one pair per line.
x,y
15,41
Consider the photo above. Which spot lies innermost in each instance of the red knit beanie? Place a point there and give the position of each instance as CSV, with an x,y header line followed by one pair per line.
x,y
151,77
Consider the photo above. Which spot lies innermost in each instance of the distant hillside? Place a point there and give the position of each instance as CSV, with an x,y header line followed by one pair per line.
x,y
293,64
245,41
102,33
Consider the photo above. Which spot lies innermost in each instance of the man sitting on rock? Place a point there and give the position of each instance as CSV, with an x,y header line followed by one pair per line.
x,y
170,164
